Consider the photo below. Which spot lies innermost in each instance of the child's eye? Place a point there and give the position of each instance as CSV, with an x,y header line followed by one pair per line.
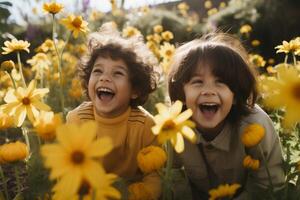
x,y
97,71
196,81
119,73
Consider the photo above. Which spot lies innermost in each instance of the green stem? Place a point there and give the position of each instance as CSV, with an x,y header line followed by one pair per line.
x,y
294,59
25,134
286,58
268,171
12,80
4,183
167,192
19,187
21,69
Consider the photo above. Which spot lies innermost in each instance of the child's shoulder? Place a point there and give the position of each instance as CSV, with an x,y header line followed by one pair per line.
x,y
257,115
85,108
140,115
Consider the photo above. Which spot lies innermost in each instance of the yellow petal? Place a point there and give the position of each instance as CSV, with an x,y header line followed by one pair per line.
x,y
41,106
188,133
183,116
176,108
100,147
20,115
178,143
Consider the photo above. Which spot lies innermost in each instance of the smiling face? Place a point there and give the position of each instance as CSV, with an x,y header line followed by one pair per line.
x,y
209,98
109,87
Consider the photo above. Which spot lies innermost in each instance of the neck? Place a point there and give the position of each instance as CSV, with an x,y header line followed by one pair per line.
x,y
210,134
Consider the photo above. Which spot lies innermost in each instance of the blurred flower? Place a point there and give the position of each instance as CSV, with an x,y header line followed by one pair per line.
x,y
156,38
130,31
15,45
253,134
250,163
271,61
257,60
222,5
75,90
271,70
144,9
171,125
95,15
151,158
138,191
223,191
212,11
167,35
7,65
103,191
158,29
255,43
25,101
46,124
46,46
75,24
167,50
52,7
13,151
39,61
293,46
183,8
245,29
75,157
6,121
208,4
165,64
284,92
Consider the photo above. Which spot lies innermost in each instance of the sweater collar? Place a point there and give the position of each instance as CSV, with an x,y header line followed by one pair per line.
x,y
111,121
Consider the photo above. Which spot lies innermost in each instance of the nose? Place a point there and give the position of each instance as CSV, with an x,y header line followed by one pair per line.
x,y
105,77
208,91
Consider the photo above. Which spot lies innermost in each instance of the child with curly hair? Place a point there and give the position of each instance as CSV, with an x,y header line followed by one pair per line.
x,y
117,76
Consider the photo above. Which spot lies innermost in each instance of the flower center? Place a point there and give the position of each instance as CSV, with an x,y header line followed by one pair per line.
x,y
77,157
296,91
84,188
168,125
77,22
26,101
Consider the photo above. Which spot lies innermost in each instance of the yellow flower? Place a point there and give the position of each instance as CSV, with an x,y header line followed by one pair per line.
x,y
6,121
158,29
223,191
151,158
257,60
15,45
252,135
75,90
271,70
22,102
104,191
52,7
183,6
289,47
75,24
39,61
165,64
245,29
130,31
167,35
212,11
46,46
167,50
171,125
13,151
75,157
7,65
284,92
207,4
250,163
138,191
255,43
222,5
45,125
271,61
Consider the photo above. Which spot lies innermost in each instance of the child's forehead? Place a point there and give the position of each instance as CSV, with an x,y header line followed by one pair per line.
x,y
110,62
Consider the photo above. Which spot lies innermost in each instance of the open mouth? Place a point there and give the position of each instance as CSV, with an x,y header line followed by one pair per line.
x,y
209,109
105,94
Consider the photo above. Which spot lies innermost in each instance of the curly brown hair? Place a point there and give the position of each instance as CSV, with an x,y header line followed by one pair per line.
x,y
228,61
107,43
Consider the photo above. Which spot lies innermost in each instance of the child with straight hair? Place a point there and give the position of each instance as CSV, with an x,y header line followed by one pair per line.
x,y
117,76
213,77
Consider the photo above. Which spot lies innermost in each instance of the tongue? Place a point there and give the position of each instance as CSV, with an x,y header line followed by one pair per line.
x,y
208,113
106,97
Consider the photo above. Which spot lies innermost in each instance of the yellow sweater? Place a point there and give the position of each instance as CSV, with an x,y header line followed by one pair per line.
x,y
129,132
